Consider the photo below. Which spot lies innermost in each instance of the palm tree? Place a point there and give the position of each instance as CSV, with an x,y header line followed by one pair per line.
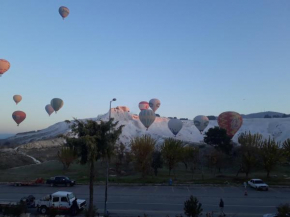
x,y
93,140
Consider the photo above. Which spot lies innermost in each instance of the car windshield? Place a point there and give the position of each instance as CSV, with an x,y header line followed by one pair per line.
x,y
259,182
66,178
71,196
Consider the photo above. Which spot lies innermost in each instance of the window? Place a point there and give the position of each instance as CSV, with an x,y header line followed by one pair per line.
x,y
70,196
63,199
55,199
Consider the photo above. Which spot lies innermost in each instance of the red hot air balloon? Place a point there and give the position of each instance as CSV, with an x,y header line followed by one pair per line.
x,y
143,105
231,122
18,116
4,66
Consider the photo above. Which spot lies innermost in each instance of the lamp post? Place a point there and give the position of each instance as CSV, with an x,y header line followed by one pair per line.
x,y
107,174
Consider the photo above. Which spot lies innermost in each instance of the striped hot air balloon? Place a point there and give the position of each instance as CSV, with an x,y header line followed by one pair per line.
x,y
231,122
63,11
143,105
175,125
147,117
18,116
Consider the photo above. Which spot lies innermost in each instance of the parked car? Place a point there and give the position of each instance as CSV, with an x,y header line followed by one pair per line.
x,y
60,180
60,200
258,184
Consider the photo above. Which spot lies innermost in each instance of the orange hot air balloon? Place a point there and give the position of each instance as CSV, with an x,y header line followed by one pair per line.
x,y
4,66
18,116
17,98
231,122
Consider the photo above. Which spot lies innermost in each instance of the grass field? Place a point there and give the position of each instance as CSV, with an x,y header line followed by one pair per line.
x,y
179,176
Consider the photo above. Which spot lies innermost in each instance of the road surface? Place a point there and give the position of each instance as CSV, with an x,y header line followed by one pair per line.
x,y
165,200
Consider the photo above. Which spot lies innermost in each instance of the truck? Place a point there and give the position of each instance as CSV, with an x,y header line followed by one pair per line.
x,y
29,183
60,200
60,180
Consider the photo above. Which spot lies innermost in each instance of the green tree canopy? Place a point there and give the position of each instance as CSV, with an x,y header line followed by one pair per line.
x,y
218,138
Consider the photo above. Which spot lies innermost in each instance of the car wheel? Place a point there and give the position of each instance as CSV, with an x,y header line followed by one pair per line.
x,y
43,210
66,185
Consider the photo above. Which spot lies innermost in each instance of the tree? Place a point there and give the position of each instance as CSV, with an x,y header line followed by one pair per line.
x,y
216,160
189,157
192,207
142,149
157,161
218,138
66,156
120,155
271,155
249,151
92,141
194,159
286,149
283,210
171,152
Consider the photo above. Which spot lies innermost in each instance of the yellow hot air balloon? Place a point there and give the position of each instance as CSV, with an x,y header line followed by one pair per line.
x,y
17,98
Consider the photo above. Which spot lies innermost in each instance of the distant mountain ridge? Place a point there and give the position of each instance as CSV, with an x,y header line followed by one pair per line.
x,y
263,114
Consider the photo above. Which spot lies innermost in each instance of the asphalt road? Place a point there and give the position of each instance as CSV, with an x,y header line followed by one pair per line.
x,y
165,200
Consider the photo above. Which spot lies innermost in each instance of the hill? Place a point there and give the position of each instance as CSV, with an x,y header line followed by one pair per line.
x,y
278,128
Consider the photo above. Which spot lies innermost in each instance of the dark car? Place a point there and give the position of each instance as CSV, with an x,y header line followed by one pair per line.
x,y
60,180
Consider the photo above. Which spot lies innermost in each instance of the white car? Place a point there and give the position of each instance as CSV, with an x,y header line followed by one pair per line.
x,y
258,184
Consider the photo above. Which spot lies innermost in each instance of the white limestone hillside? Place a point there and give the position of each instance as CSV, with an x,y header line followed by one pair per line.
x,y
278,128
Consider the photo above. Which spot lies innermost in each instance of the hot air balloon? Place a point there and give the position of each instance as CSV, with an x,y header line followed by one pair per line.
x,y
231,122
4,66
147,117
154,104
17,98
49,109
63,11
143,105
201,122
175,126
56,104
18,116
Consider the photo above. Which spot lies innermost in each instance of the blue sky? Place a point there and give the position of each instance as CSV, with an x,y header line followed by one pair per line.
x,y
196,56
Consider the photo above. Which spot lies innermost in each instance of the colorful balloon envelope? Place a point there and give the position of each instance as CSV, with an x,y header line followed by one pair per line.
x,y
17,98
18,116
231,122
63,11
175,125
154,104
56,104
4,66
49,109
201,122
143,105
147,117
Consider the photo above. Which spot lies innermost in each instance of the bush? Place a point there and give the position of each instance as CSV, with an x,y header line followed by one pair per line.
x,y
192,207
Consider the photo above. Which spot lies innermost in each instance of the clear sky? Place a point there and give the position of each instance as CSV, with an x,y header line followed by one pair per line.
x,y
196,56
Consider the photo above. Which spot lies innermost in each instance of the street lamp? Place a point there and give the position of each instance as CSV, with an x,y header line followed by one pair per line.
x,y
107,175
